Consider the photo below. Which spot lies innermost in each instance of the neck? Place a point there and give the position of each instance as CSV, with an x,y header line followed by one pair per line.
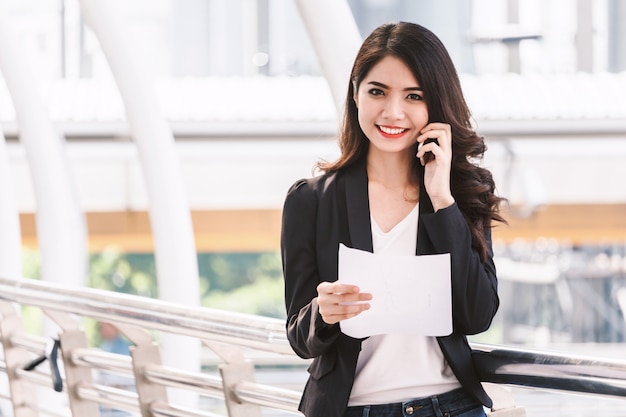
x,y
391,170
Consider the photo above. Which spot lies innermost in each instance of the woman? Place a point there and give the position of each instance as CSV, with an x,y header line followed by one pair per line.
x,y
393,190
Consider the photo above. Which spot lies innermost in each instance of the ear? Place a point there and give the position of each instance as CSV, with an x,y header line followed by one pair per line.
x,y
355,95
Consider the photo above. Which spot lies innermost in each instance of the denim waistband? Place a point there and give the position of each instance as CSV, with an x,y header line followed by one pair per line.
x,y
448,403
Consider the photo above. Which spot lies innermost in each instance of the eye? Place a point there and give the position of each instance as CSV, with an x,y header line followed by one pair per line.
x,y
415,96
375,92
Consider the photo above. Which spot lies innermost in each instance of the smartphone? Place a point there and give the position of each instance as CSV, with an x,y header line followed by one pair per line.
x,y
428,156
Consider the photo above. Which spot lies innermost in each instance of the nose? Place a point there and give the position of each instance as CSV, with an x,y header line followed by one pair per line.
x,y
394,109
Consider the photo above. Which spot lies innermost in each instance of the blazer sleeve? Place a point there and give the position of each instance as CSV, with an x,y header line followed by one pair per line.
x,y
474,283
307,333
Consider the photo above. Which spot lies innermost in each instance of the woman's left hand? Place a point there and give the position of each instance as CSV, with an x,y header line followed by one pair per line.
x,y
437,168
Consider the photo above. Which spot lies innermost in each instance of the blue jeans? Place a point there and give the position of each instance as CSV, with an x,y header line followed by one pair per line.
x,y
456,403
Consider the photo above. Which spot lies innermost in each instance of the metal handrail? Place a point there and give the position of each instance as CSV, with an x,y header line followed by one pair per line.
x,y
238,329
263,395
550,370
497,364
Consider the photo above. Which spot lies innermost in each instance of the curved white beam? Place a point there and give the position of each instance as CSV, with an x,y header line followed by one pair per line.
x,y
336,39
61,227
170,218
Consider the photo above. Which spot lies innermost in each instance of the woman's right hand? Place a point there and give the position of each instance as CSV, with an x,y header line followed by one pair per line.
x,y
340,301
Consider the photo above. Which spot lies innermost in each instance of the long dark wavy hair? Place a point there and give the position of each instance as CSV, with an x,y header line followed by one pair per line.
x,y
421,50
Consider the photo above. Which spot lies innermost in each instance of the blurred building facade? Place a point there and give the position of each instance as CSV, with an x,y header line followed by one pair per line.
x,y
240,84
223,38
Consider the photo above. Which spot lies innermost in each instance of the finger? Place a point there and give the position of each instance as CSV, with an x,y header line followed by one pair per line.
x,y
436,126
353,313
329,301
443,142
351,308
343,313
427,150
347,299
439,134
432,127
440,131
425,141
336,288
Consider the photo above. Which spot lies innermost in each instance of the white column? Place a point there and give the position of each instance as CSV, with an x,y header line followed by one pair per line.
x,y
170,218
10,237
336,39
61,228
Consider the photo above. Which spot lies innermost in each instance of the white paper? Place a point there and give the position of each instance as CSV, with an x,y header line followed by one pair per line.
x,y
410,294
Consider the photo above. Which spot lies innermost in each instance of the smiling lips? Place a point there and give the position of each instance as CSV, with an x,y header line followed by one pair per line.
x,y
391,132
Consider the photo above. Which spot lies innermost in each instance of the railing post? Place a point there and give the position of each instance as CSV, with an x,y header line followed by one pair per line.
x,y
509,412
503,402
145,354
76,375
234,370
232,374
10,325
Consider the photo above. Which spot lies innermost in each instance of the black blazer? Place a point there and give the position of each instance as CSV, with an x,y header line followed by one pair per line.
x,y
322,212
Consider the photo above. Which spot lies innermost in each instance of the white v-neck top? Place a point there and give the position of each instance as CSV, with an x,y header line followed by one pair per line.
x,y
401,239
399,367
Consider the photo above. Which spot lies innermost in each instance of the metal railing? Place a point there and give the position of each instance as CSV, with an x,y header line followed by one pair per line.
x,y
231,336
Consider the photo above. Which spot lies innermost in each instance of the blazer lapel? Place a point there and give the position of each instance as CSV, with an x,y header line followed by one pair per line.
x,y
357,207
426,207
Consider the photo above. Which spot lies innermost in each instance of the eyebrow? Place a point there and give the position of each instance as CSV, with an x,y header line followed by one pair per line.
x,y
378,84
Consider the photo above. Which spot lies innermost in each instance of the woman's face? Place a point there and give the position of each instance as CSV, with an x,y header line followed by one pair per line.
x,y
391,106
